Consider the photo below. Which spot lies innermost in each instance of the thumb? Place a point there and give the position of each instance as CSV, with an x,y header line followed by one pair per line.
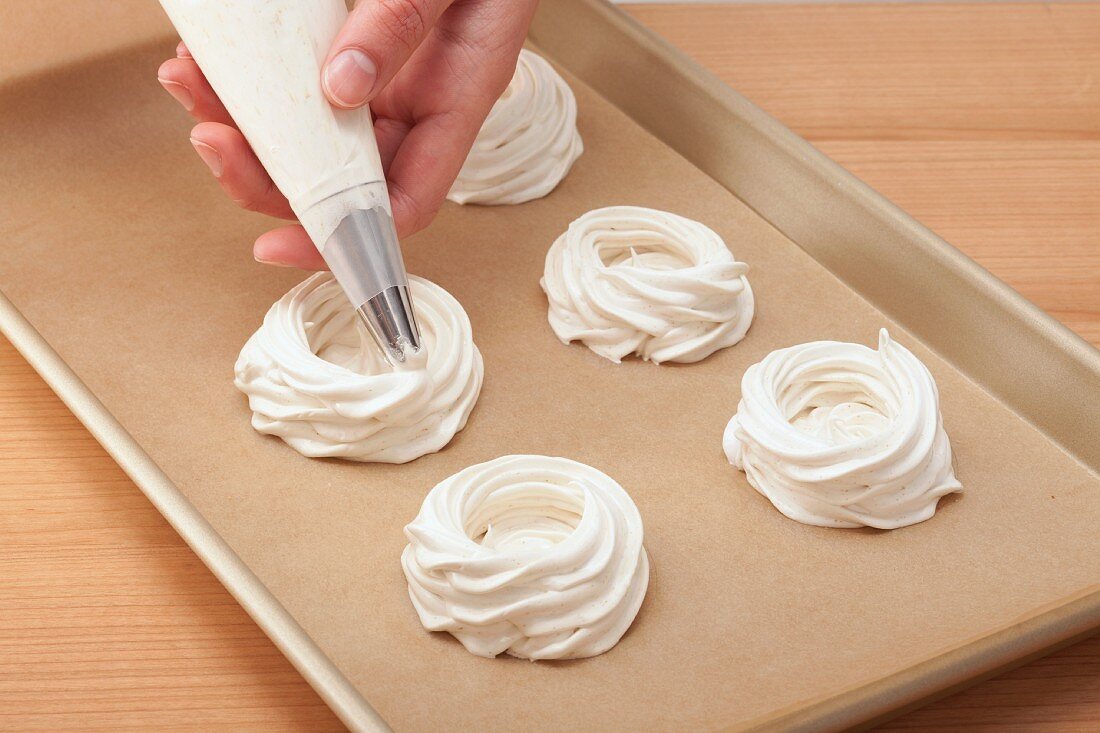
x,y
375,42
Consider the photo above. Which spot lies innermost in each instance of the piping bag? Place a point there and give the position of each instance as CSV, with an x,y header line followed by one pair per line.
x,y
263,58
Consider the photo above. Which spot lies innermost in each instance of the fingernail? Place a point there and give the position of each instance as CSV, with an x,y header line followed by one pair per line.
x,y
180,92
274,263
209,156
258,255
182,52
349,78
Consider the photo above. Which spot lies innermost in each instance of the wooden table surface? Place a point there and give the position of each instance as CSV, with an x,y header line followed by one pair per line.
x,y
983,121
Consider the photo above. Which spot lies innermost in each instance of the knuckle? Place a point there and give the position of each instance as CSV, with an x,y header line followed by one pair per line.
x,y
248,203
401,21
253,199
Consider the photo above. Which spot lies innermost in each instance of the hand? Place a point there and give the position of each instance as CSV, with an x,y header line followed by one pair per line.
x,y
431,71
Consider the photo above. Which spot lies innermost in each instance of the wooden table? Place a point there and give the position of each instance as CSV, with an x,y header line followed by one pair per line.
x,y
983,121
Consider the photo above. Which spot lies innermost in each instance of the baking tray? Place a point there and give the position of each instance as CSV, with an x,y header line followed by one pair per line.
x,y
129,288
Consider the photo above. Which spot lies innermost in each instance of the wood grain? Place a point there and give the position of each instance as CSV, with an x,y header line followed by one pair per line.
x,y
981,120
107,620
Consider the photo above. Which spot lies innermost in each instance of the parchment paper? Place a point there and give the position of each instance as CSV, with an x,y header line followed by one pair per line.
x,y
119,247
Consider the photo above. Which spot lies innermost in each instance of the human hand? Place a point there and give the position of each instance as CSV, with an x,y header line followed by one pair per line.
x,y
431,71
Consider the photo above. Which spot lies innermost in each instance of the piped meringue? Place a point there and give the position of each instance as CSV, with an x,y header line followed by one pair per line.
x,y
630,280
528,142
840,435
535,556
316,379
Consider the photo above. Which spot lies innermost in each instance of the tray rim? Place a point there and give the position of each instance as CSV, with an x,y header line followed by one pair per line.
x,y
875,701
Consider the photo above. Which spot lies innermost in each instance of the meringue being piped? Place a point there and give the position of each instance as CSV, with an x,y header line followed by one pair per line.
x,y
316,379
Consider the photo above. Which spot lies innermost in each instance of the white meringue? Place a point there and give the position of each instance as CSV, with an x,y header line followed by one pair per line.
x,y
626,279
535,556
528,142
840,435
315,378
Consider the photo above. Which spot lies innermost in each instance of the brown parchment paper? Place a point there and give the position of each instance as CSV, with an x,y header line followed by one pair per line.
x,y
123,253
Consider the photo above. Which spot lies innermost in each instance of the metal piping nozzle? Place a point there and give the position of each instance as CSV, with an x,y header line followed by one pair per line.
x,y
364,255
389,318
